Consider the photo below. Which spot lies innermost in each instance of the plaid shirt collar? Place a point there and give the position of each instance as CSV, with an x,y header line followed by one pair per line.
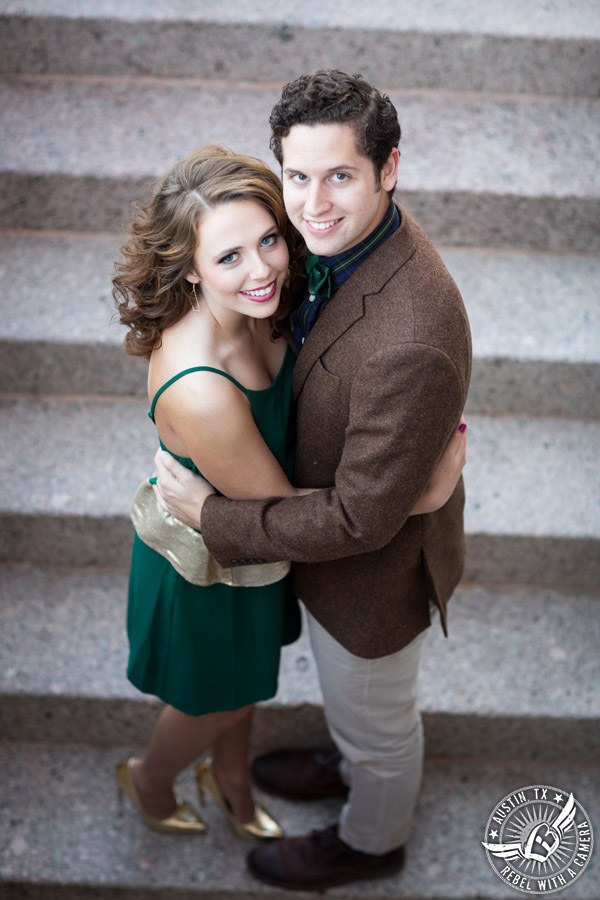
x,y
342,266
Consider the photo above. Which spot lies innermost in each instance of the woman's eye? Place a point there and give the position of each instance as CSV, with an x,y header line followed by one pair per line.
x,y
231,257
269,240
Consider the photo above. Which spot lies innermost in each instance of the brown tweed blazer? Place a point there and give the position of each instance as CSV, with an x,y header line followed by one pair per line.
x,y
379,386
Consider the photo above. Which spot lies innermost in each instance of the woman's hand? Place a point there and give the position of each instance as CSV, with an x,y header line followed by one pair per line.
x,y
181,492
446,475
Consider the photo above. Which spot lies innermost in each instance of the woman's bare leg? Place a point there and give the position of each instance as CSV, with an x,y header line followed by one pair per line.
x,y
177,741
230,766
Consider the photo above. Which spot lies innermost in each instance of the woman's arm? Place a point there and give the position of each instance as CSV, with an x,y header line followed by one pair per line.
x,y
207,418
446,475
183,494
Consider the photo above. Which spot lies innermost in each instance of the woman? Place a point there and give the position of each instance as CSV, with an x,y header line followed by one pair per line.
x,y
205,277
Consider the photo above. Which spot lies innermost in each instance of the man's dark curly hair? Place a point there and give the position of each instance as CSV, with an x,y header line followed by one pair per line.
x,y
333,97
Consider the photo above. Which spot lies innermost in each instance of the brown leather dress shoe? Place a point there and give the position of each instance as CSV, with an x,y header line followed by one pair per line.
x,y
300,774
319,860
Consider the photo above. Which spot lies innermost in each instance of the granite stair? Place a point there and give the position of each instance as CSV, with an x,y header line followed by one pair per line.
x,y
99,850
475,170
500,110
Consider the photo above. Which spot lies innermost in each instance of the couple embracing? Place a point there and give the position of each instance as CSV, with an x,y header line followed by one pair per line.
x,y
310,357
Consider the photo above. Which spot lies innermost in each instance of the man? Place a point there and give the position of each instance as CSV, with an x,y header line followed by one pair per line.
x,y
380,384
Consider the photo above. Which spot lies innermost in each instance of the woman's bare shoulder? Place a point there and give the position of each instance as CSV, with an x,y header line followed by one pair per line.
x,y
182,347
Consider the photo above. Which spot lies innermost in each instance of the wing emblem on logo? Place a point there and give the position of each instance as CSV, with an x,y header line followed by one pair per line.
x,y
543,840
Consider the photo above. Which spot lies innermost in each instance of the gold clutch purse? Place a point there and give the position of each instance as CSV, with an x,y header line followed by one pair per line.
x,y
185,549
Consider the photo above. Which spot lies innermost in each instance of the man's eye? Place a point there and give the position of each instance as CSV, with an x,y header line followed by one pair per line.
x,y
339,177
299,177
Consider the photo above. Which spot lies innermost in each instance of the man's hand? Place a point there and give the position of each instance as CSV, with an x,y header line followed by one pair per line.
x,y
181,492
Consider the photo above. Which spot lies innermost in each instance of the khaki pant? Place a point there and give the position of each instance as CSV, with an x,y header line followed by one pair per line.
x,y
371,710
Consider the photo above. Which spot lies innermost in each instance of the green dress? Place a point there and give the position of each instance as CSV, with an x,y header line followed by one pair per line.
x,y
207,649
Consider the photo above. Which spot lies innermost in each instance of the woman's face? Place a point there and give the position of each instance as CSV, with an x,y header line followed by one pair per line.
x,y
241,259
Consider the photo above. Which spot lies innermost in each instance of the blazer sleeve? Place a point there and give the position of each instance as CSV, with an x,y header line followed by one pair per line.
x,y
404,405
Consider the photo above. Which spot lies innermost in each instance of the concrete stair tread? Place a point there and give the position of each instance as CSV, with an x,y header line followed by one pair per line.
x,y
80,456
529,306
65,651
117,129
505,17
87,148
444,858
527,47
62,282
513,462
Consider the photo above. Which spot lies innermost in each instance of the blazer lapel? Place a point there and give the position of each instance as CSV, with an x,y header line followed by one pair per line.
x,y
348,304
342,311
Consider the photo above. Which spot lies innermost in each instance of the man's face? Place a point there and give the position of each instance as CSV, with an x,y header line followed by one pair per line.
x,y
330,190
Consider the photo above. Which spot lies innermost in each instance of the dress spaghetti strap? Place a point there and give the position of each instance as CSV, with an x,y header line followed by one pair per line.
x,y
187,372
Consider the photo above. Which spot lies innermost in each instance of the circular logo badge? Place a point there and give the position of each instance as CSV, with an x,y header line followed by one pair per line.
x,y
539,839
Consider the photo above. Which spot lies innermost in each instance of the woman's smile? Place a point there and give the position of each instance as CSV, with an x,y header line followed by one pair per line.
x,y
260,295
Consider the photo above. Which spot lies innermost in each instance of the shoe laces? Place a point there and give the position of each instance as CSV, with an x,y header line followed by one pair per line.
x,y
325,838
329,764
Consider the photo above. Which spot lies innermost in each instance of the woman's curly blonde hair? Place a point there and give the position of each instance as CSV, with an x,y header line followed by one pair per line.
x,y
149,287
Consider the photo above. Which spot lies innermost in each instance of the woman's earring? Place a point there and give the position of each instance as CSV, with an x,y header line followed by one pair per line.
x,y
196,308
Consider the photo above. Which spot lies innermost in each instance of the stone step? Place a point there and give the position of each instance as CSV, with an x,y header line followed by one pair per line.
x,y
501,45
534,320
58,333
74,841
476,170
71,466
518,678
43,856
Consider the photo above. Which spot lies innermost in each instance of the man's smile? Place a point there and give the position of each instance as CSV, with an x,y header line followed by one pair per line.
x,y
322,226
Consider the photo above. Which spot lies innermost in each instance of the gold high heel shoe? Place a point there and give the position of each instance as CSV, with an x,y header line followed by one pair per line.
x,y
184,820
262,825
